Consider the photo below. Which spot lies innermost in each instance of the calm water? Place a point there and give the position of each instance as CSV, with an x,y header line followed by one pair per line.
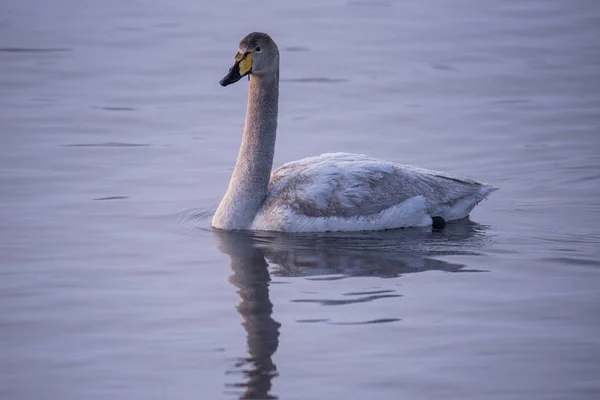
x,y
116,144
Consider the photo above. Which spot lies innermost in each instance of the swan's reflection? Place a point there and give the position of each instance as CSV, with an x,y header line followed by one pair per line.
x,y
382,254
251,277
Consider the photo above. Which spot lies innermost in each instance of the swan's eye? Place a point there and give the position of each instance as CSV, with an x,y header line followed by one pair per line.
x,y
258,49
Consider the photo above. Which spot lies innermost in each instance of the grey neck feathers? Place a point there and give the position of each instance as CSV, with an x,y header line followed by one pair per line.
x,y
250,179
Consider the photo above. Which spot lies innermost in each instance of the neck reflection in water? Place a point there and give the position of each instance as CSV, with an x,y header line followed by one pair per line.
x,y
384,254
251,277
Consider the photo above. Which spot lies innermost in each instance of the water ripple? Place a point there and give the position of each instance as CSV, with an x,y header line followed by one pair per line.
x,y
332,302
315,80
33,50
107,144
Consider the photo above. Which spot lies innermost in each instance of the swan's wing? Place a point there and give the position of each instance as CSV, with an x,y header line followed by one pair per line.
x,y
349,185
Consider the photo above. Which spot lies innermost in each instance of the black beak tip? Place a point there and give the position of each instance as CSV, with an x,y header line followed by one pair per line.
x,y
229,79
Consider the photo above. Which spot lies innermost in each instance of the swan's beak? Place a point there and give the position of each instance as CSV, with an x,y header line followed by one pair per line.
x,y
241,68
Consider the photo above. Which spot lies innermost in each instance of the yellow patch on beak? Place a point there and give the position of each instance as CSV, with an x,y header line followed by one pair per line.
x,y
246,64
242,67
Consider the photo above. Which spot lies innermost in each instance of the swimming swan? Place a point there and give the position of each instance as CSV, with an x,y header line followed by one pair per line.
x,y
330,192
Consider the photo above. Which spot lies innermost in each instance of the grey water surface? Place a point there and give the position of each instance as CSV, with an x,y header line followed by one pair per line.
x,y
117,143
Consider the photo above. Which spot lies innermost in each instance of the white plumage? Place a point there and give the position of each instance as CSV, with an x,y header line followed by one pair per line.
x,y
353,192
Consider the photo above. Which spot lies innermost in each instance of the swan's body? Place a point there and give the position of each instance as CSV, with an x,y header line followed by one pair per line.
x,y
330,192
349,192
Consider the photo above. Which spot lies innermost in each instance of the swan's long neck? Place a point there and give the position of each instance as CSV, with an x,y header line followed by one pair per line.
x,y
250,179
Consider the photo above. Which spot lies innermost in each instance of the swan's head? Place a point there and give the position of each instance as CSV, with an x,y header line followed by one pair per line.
x,y
257,55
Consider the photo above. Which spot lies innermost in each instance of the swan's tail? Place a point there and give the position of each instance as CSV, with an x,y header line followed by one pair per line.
x,y
462,207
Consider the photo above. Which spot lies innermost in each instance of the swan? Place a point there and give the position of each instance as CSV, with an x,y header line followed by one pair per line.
x,y
329,192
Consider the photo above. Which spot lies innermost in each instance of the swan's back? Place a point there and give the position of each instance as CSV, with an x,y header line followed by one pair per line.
x,y
341,191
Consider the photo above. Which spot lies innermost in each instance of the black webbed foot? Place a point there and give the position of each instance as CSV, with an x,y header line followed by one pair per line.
x,y
438,223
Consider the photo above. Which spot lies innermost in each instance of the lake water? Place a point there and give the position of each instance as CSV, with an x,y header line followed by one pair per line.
x,y
117,143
